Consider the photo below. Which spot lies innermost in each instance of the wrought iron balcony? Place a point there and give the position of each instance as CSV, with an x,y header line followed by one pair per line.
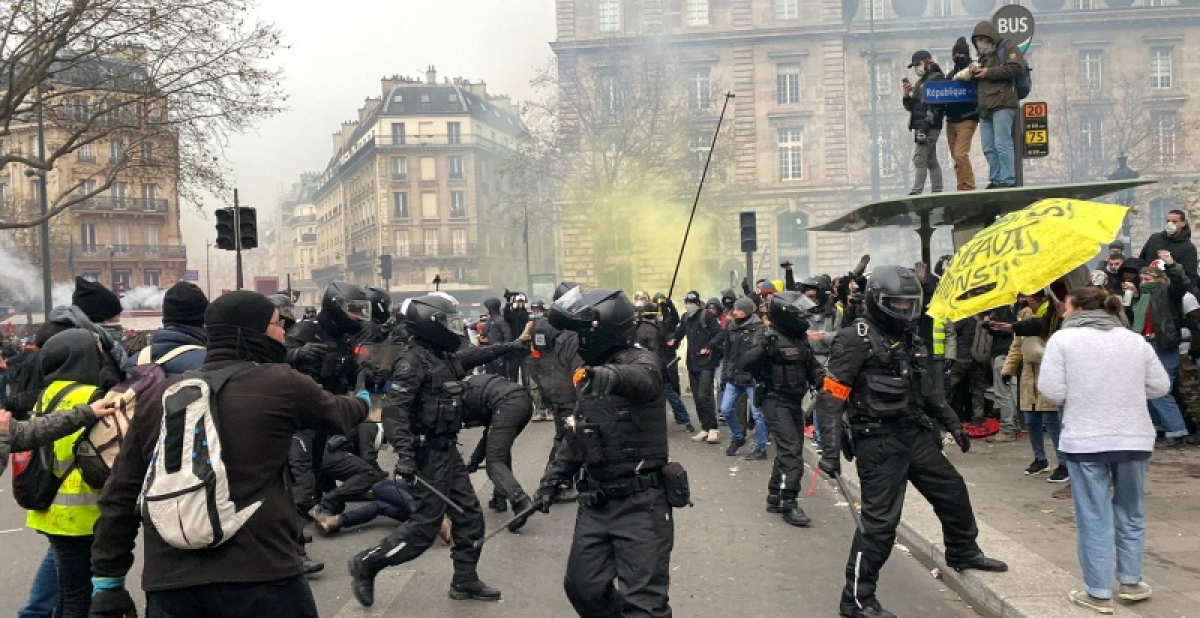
x,y
129,252
123,204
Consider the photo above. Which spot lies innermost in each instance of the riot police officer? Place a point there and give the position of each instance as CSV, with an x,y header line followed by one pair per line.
x,y
373,331
503,408
554,359
785,369
287,309
617,437
422,415
879,379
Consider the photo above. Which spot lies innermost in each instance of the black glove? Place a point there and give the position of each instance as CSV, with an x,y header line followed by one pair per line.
x,y
310,353
603,380
472,467
112,603
831,466
963,440
1007,380
405,469
545,497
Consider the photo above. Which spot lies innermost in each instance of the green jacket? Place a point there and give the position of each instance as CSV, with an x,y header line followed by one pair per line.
x,y
42,430
998,90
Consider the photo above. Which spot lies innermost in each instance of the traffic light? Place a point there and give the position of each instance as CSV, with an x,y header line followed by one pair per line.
x,y
225,239
749,232
385,266
248,222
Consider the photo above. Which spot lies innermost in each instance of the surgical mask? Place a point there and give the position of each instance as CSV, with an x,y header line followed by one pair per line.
x,y
1171,228
691,309
986,47
919,70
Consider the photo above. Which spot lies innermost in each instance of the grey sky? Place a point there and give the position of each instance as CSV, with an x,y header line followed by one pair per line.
x,y
340,50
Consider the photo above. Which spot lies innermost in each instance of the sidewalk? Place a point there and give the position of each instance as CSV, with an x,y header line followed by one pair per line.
x,y
1020,523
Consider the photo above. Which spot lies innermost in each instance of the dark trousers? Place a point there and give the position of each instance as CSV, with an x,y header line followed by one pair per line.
x,y
392,499
285,598
73,561
969,382
444,469
356,477
300,469
886,464
702,392
509,419
630,540
785,420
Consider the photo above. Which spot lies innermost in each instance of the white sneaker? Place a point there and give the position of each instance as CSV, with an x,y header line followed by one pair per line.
x,y
700,437
714,436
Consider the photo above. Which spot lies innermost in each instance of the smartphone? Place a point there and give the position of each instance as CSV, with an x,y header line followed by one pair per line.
x,y
905,80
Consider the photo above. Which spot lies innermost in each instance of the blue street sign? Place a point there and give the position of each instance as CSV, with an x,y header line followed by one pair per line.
x,y
939,93
191,275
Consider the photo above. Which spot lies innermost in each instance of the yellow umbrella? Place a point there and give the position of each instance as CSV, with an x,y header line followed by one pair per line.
x,y
1023,252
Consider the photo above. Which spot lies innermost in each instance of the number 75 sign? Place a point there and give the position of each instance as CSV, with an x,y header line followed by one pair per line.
x,y
1037,130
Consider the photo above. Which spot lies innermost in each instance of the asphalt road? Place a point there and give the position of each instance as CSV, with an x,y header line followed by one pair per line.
x,y
730,558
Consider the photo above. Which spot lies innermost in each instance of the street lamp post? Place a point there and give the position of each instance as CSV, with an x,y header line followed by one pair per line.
x,y
208,266
875,153
1125,198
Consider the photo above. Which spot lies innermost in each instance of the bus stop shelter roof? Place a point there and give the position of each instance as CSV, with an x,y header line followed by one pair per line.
x,y
973,208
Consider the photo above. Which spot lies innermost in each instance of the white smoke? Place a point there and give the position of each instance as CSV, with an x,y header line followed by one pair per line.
x,y
144,297
60,294
23,278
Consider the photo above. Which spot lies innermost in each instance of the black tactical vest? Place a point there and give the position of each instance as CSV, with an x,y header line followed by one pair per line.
x,y
893,379
788,365
547,366
614,437
439,402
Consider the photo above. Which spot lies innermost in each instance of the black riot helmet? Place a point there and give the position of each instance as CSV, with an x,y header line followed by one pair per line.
x,y
789,313
347,305
603,318
381,304
821,284
434,319
537,309
563,288
894,297
287,310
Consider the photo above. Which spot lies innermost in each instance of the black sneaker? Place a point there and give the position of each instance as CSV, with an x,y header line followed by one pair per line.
x,y
1060,475
734,445
690,428
1037,467
474,590
362,582
755,455
992,185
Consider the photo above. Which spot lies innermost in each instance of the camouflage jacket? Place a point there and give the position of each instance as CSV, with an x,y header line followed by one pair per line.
x,y
41,430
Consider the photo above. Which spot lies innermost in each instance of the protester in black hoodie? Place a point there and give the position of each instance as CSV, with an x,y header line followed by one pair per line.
x,y
925,121
1176,237
257,571
962,119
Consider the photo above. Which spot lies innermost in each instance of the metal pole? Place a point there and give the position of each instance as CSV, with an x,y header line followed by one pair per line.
x,y
237,237
43,199
208,266
704,174
875,154
750,269
1018,137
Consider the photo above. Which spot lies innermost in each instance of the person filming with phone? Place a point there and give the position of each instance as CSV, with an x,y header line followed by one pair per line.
x,y
925,122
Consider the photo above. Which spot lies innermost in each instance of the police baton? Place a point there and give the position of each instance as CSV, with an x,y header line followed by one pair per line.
x,y
519,516
853,511
450,503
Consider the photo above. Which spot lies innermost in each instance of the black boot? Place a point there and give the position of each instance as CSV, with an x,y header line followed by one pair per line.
x,y
310,566
871,610
474,590
498,504
362,580
793,514
773,503
734,445
979,562
524,510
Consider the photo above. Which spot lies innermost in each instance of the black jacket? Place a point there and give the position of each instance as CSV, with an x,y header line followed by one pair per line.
x,y
958,112
337,369
762,360
739,339
703,330
921,116
1182,249
1166,309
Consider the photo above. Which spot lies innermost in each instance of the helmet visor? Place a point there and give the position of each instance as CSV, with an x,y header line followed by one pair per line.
x,y
453,322
803,303
902,307
357,309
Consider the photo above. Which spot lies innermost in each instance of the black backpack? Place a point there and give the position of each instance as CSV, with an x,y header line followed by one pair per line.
x,y
34,483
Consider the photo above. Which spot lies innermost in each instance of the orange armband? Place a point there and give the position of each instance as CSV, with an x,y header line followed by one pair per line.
x,y
580,375
835,388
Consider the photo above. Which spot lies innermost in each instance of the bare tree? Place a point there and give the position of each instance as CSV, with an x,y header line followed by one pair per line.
x,y
169,81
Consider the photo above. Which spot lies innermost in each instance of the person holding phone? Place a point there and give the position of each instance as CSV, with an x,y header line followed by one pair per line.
x,y
925,122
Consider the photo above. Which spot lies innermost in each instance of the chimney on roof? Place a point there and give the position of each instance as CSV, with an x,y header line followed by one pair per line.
x,y
431,75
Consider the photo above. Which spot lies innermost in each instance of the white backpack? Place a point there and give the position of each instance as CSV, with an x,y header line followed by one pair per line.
x,y
186,492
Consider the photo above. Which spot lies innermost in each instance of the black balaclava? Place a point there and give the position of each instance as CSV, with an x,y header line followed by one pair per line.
x,y
237,329
73,355
493,306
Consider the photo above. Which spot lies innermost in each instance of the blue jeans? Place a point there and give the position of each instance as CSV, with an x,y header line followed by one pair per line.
x,y
392,499
43,595
1040,423
1164,411
1098,515
995,131
677,408
729,401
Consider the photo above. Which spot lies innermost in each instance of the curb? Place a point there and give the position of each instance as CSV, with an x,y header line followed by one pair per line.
x,y
1033,587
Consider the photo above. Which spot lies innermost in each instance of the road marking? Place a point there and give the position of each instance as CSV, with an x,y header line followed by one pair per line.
x,y
11,530
389,582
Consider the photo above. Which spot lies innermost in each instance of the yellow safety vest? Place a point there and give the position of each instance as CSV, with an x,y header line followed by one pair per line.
x,y
939,338
76,507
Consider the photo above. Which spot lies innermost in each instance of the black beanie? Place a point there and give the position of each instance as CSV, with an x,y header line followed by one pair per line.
x,y
243,308
184,304
961,47
95,301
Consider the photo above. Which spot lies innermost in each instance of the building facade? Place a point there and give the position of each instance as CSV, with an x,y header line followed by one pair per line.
x,y
1114,73
417,176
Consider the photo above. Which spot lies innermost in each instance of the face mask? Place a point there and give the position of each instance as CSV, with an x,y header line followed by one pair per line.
x,y
919,70
1171,228
986,47
1113,269
691,309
